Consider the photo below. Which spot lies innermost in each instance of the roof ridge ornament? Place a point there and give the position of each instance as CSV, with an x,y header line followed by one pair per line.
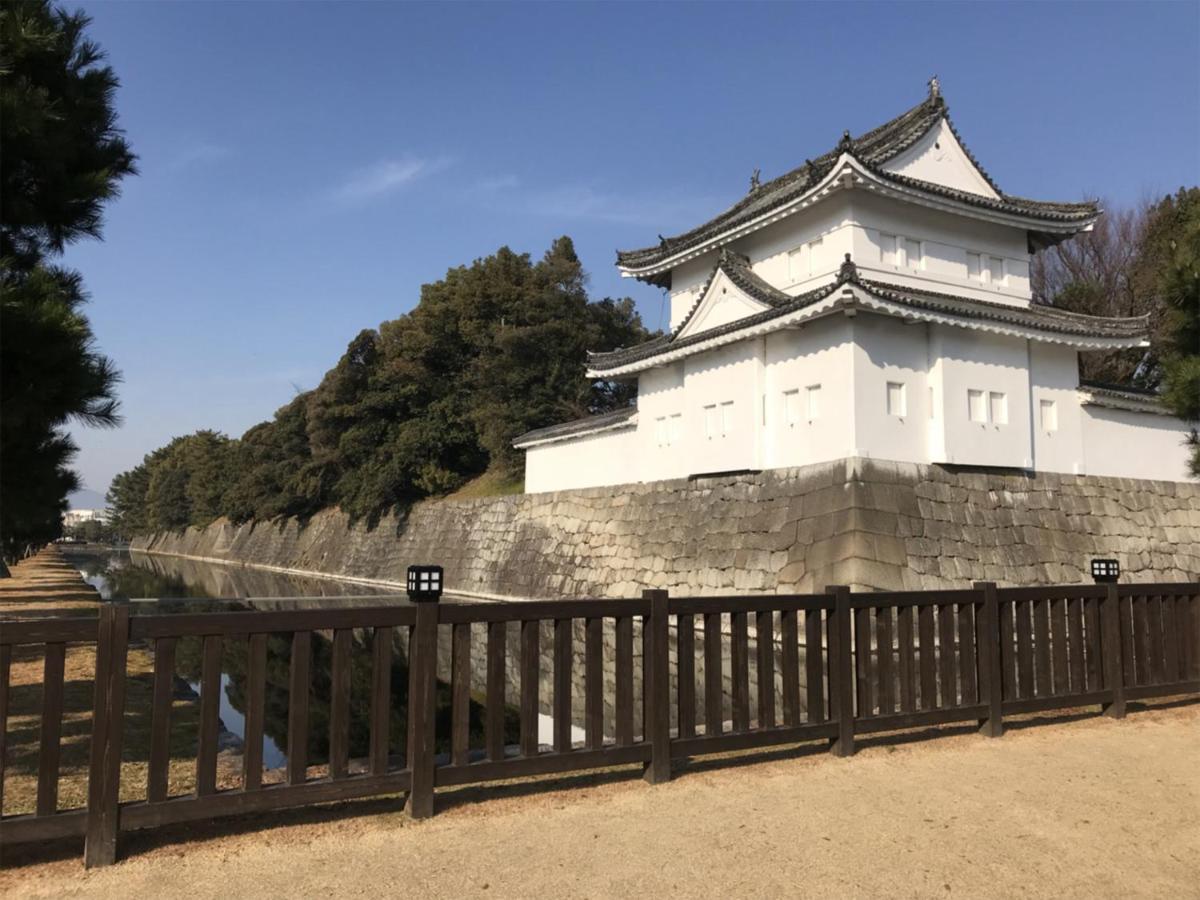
x,y
935,88
848,271
846,144
755,179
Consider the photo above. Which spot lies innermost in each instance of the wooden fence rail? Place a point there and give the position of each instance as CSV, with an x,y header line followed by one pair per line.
x,y
828,666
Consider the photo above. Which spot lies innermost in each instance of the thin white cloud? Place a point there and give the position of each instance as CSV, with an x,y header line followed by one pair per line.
x,y
582,202
387,177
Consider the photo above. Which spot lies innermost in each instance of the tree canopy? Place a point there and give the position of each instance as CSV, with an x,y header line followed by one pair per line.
x,y
63,159
1144,261
416,407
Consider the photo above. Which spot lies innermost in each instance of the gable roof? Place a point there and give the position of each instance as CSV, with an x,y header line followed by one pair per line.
x,y
871,150
849,291
736,268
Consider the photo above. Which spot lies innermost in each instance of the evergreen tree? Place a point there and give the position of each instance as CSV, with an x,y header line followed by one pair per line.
x,y
415,408
1176,242
63,158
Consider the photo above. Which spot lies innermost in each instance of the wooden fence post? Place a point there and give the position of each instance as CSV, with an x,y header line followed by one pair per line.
x,y
841,670
987,649
104,770
422,700
1114,669
657,672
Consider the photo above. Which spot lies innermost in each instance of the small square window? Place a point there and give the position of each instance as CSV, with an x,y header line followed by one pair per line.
x,y
791,407
727,418
996,270
814,255
796,267
1049,412
896,401
998,408
912,253
675,428
814,401
888,251
977,406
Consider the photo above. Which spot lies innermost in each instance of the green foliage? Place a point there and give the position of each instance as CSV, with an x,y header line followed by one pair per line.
x,y
420,406
1176,239
63,158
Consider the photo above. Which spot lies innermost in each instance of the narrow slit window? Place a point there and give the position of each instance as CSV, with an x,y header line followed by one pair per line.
x,y
975,267
896,405
710,421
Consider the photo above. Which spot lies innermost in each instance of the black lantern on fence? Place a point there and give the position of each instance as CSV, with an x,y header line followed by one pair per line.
x,y
1106,571
424,583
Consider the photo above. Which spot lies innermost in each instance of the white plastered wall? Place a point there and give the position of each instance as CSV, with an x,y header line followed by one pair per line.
x,y
890,352
1058,429
991,364
589,461
1130,444
945,241
661,394
817,356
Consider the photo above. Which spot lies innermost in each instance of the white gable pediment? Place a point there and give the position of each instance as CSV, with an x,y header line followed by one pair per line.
x,y
722,303
938,157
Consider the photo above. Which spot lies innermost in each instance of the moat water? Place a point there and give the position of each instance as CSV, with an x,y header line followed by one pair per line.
x,y
155,584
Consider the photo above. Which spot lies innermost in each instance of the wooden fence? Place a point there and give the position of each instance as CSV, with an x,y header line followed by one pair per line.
x,y
827,666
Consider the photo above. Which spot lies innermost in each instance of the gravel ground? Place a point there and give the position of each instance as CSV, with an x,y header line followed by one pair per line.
x,y
1085,808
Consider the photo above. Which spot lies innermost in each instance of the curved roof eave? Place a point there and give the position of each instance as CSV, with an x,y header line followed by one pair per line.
x,y
872,178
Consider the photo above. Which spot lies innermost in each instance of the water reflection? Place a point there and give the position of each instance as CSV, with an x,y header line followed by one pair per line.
x,y
122,575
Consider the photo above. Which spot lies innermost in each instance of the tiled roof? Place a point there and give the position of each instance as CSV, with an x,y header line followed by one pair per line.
x,y
1042,318
603,422
1038,318
872,150
1123,396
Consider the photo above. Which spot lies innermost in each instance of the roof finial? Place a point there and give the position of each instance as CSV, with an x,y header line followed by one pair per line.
x,y
847,271
846,144
662,241
935,88
755,180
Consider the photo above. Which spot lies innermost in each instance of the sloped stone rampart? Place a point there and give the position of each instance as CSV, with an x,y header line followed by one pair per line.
x,y
867,523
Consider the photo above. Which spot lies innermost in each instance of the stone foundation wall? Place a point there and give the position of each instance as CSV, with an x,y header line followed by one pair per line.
x,y
867,523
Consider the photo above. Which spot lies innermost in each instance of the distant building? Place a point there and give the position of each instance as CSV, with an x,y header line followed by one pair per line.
x,y
78,516
874,302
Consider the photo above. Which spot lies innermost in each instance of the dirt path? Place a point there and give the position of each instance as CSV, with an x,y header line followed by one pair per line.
x,y
1087,808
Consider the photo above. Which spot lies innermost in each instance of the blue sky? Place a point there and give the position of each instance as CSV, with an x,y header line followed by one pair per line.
x,y
307,166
